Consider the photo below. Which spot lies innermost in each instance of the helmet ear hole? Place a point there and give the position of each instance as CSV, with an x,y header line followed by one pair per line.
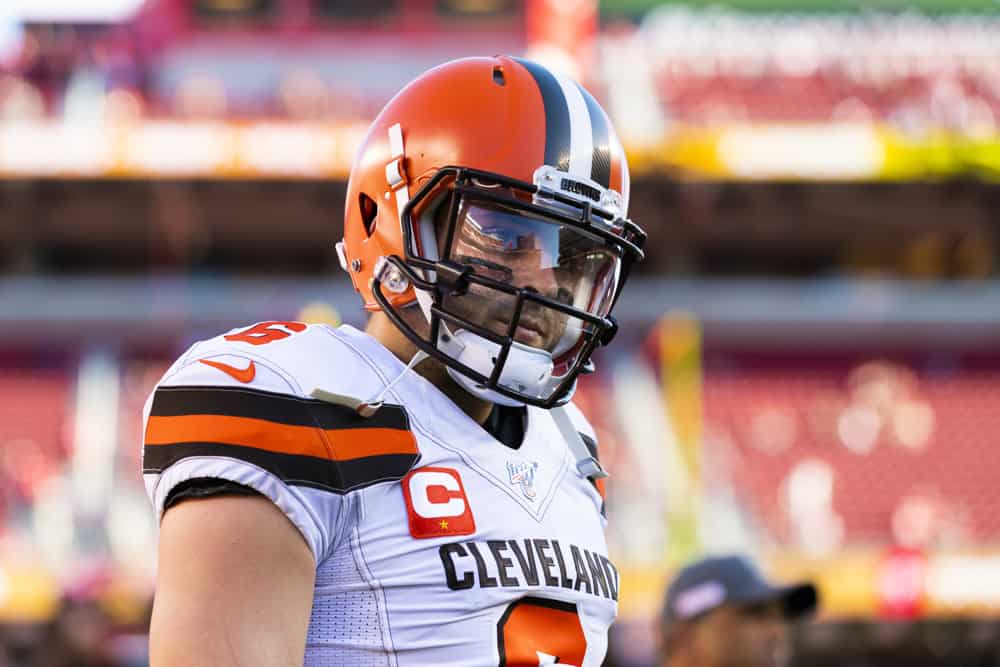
x,y
369,212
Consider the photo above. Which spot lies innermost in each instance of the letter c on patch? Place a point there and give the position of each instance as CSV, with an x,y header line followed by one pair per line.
x,y
436,494
436,504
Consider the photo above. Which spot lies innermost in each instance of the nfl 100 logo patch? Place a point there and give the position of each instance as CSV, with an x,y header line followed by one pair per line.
x,y
523,473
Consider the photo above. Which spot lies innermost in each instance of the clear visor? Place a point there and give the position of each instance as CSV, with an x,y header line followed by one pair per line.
x,y
556,261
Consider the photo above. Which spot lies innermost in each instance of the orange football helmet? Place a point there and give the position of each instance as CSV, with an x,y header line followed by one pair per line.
x,y
493,193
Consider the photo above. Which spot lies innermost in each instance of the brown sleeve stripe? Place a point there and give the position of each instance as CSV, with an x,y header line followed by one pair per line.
x,y
302,441
279,408
295,470
335,444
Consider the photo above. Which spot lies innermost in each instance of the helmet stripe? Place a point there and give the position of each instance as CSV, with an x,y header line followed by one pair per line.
x,y
619,169
558,118
600,170
581,155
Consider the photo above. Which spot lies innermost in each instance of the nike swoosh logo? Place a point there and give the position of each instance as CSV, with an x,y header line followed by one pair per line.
x,y
239,374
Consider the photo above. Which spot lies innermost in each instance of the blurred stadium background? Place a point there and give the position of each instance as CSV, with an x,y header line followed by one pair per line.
x,y
810,369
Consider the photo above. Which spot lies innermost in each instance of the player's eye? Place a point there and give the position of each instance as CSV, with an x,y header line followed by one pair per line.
x,y
564,296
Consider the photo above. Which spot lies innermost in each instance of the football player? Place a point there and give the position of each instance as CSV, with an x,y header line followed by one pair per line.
x,y
422,492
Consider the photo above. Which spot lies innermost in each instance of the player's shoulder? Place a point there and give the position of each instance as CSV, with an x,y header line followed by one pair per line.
x,y
280,356
248,395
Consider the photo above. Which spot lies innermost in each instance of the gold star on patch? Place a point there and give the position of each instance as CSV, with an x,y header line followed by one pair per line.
x,y
444,524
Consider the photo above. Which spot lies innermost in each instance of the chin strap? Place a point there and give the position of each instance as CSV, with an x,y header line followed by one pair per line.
x,y
395,176
586,464
395,173
370,407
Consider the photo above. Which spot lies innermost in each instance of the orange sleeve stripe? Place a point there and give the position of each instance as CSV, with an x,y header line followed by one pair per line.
x,y
280,438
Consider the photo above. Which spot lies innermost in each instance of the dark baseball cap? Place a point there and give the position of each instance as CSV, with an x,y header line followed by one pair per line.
x,y
712,582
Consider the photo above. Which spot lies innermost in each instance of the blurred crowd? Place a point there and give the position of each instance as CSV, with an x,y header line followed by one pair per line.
x,y
82,632
913,71
102,74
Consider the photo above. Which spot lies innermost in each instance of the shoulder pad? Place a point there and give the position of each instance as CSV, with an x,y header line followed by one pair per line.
x,y
589,438
583,427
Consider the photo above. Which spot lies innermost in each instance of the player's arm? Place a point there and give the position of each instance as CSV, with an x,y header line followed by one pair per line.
x,y
236,572
234,585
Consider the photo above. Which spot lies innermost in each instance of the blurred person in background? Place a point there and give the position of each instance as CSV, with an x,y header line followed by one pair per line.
x,y
422,492
720,612
81,636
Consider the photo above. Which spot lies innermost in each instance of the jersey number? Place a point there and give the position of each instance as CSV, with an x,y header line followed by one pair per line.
x,y
536,631
266,332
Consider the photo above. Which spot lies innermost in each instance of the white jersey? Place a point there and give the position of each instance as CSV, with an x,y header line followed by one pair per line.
x,y
434,543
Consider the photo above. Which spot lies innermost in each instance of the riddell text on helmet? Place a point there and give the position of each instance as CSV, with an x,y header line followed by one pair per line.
x,y
528,563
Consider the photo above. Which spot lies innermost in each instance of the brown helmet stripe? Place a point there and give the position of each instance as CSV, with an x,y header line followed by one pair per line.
x,y
558,136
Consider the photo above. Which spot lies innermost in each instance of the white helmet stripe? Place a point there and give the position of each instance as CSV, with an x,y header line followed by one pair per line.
x,y
581,136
